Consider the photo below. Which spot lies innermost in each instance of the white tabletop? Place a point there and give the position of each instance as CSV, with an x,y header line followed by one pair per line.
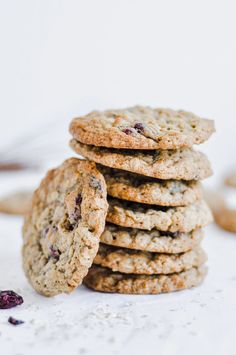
x,y
196,321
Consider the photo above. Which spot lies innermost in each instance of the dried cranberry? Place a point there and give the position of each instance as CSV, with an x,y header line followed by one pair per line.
x,y
14,321
9,299
139,127
127,131
78,199
76,214
55,254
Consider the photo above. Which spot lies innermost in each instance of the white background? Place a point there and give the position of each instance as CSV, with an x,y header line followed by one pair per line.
x,y
59,59
63,58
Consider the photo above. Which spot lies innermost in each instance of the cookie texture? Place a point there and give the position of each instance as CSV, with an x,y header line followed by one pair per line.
x,y
172,219
182,164
18,203
153,241
104,280
143,189
140,262
61,233
142,128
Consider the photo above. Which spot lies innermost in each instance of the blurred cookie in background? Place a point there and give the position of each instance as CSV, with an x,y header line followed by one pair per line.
x,y
223,211
17,203
230,179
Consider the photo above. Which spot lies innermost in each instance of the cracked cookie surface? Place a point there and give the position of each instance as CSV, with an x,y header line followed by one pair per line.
x,y
61,233
182,164
172,219
142,262
105,280
154,240
138,188
142,128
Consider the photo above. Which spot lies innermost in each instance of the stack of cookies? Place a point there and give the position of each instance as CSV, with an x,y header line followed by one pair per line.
x,y
146,238
151,241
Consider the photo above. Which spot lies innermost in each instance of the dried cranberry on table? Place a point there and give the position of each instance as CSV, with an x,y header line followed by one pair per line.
x,y
14,321
9,299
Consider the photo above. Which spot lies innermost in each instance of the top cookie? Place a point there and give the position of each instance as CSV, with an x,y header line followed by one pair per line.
x,y
61,232
141,128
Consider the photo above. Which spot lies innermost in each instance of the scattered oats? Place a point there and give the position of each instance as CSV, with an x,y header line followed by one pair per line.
x,y
127,304
104,316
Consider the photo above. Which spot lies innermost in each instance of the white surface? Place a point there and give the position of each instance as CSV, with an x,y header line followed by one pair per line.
x,y
66,57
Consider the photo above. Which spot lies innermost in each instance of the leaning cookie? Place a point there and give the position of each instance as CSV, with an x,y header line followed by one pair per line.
x,y
153,241
61,232
140,262
141,128
171,219
142,189
105,280
182,164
